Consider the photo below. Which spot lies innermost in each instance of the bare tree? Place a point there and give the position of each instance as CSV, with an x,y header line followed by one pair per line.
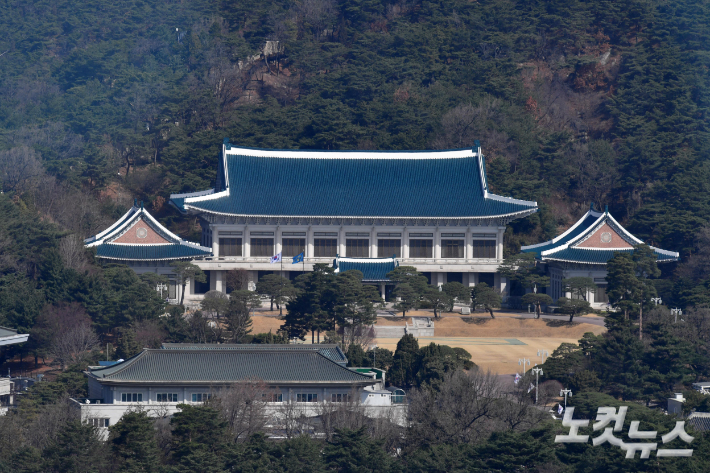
x,y
73,253
517,410
457,413
292,419
348,413
149,333
20,169
75,344
237,279
243,406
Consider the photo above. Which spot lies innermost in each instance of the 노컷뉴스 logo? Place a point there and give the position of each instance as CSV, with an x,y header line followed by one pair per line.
x,y
605,415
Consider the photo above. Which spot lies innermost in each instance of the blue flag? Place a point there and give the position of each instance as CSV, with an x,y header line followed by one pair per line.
x,y
298,258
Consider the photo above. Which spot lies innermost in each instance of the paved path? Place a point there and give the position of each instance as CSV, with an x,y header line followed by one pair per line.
x,y
519,315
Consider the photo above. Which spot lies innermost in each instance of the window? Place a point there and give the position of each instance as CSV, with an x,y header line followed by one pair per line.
x,y
387,248
357,248
97,421
292,246
262,246
452,248
273,397
421,248
166,397
131,397
325,247
484,249
600,294
201,397
230,247
306,397
340,397
201,287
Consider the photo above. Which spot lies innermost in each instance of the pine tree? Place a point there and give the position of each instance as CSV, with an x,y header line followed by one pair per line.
x,y
133,443
128,346
401,373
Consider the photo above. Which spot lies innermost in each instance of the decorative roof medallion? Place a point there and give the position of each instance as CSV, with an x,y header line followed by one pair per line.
x,y
606,237
142,233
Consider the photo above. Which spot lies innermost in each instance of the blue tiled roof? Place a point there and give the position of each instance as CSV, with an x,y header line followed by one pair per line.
x,y
178,202
228,366
580,255
581,228
372,271
148,252
386,186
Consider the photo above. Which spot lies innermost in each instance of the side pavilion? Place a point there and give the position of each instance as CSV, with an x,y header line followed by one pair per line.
x,y
583,251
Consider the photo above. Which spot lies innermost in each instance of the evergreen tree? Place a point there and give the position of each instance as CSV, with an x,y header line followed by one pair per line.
x,y
486,297
278,288
355,451
623,286
186,271
133,443
77,448
457,292
199,434
128,346
401,373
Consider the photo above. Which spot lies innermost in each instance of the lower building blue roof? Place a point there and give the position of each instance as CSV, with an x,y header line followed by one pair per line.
x,y
372,270
148,252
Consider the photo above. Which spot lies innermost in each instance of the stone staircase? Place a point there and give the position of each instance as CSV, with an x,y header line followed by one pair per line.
x,y
420,327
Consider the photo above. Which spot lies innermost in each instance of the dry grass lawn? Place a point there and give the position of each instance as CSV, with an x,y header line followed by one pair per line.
x,y
500,359
494,344
261,324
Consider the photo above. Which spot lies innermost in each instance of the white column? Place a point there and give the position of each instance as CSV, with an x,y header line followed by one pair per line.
x,y
277,242
437,244
501,284
499,239
213,280
215,241
373,243
468,244
405,243
219,283
341,241
309,243
382,290
247,242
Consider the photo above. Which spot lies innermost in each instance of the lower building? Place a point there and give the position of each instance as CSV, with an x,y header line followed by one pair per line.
x,y
288,377
584,250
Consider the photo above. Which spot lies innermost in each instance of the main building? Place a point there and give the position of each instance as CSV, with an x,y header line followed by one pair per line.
x,y
428,209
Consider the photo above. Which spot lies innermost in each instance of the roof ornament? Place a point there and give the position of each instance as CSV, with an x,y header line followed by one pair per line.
x,y
227,144
135,202
141,205
591,206
606,209
477,145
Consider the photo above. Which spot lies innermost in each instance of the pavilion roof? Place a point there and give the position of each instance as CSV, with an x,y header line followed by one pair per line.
x,y
137,236
447,184
223,366
593,239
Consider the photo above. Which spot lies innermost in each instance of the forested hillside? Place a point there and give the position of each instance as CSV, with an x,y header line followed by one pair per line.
x,y
573,101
